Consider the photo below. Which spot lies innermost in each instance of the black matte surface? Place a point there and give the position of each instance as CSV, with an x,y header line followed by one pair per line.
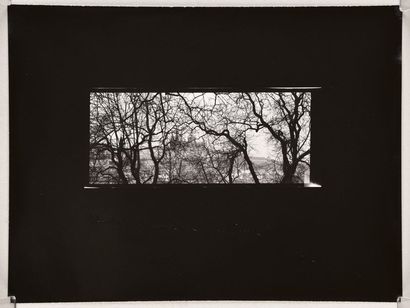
x,y
338,242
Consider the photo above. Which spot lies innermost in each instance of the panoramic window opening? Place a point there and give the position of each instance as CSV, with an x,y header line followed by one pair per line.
x,y
199,137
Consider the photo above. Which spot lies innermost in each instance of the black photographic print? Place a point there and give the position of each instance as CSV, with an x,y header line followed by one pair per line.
x,y
205,153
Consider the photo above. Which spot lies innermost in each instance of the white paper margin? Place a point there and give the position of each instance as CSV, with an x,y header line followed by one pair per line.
x,y
406,151
209,2
4,150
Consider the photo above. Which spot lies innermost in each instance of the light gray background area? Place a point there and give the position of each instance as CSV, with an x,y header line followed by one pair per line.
x,y
4,149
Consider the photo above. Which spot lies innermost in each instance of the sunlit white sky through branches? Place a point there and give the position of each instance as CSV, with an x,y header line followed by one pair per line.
x,y
259,144
258,141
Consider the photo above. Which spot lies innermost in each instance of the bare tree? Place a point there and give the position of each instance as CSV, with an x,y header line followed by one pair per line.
x,y
209,115
287,118
160,124
106,132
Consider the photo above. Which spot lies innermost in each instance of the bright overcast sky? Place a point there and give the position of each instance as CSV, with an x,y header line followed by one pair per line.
x,y
259,144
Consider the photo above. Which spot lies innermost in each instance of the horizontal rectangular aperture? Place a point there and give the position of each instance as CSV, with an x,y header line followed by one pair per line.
x,y
199,137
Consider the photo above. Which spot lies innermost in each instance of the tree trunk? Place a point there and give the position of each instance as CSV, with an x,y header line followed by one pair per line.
x,y
232,157
230,170
121,173
288,173
136,165
242,149
288,168
155,161
156,173
250,165
120,165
